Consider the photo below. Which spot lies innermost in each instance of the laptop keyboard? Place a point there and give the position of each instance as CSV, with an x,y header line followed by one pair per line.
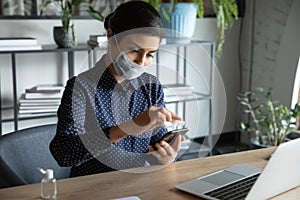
x,y
235,191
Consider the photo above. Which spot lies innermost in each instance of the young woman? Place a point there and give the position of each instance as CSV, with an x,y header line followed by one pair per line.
x,y
112,115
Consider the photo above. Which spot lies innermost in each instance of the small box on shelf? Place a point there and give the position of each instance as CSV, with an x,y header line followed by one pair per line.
x,y
98,38
177,98
178,92
177,89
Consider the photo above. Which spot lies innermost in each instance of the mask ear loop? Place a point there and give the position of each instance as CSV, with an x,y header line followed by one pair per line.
x,y
117,45
116,41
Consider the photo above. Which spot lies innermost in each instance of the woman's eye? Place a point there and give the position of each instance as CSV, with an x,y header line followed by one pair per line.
x,y
134,51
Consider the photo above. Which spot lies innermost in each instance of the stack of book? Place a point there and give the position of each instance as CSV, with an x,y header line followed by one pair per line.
x,y
177,92
19,44
40,100
97,40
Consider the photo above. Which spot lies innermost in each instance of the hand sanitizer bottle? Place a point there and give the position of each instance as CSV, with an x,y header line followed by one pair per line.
x,y
48,185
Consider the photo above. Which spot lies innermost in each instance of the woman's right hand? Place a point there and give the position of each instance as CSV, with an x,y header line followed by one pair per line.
x,y
159,115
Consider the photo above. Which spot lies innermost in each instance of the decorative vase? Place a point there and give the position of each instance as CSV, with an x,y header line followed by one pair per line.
x,y
62,38
182,22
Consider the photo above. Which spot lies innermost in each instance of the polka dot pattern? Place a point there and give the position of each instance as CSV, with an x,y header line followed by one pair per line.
x,y
89,107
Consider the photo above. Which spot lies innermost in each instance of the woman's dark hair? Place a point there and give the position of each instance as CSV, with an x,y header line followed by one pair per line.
x,y
132,15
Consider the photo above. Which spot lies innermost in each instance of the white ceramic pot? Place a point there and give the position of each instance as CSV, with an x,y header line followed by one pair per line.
x,y
182,22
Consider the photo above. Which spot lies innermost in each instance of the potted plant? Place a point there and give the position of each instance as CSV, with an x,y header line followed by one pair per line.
x,y
226,12
270,121
64,36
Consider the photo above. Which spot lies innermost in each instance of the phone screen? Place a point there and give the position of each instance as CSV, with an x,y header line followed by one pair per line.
x,y
172,134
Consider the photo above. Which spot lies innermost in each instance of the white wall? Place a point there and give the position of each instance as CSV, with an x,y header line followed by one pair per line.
x,y
227,65
287,58
270,46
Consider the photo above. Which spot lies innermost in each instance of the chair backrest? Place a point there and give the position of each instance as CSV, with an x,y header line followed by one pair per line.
x,y
23,151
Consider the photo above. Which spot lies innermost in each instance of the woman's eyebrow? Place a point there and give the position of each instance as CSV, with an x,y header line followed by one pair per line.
x,y
139,47
153,51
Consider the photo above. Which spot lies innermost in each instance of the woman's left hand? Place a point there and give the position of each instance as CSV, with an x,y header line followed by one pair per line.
x,y
165,152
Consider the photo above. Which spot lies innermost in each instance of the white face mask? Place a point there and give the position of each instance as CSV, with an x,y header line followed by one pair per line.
x,y
125,67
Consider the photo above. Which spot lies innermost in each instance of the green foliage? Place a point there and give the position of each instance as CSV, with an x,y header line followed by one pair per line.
x,y
95,14
226,12
106,7
271,121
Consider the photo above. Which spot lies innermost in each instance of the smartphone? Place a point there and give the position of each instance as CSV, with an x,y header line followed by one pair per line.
x,y
169,137
172,134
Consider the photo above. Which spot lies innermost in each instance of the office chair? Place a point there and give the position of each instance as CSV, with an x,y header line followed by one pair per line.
x,y
23,151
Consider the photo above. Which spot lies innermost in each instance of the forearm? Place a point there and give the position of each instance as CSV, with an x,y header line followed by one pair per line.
x,y
138,125
148,120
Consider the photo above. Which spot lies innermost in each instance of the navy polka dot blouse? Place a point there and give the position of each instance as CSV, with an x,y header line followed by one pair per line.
x,y
92,103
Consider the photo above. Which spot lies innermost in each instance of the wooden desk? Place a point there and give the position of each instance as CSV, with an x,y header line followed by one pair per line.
x,y
158,184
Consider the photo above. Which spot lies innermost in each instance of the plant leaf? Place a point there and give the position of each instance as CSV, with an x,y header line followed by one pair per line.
x,y
43,5
95,14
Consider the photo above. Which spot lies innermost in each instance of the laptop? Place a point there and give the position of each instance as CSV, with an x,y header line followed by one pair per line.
x,y
248,182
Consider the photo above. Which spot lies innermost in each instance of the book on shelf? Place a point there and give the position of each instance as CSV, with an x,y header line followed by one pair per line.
x,y
97,44
98,38
17,41
21,47
45,89
47,110
49,87
23,115
37,107
39,103
24,101
43,95
44,92
177,90
175,98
